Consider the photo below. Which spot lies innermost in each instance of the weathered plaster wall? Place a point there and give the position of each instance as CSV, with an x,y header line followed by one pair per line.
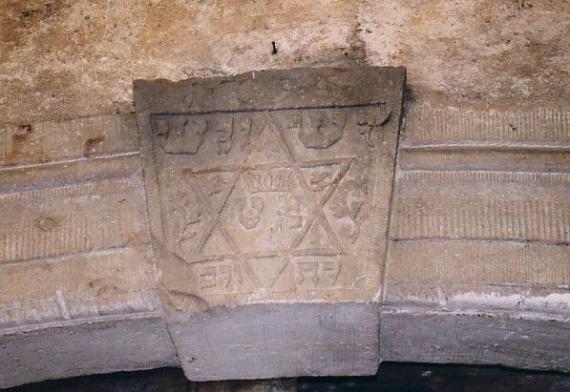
x,y
67,58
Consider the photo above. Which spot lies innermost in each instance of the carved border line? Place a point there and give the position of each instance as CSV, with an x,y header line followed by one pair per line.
x,y
154,184
316,108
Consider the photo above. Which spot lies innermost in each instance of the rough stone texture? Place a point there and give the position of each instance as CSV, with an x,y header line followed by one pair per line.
x,y
285,340
476,337
478,265
77,279
76,57
272,187
100,345
70,59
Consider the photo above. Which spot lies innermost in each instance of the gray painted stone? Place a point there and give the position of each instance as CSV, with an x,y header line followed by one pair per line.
x,y
278,340
75,348
439,337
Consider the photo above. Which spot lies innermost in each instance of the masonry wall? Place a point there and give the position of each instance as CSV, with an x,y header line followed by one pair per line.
x,y
476,268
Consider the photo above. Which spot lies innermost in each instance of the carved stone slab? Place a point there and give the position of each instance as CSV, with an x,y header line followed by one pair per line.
x,y
77,279
480,238
271,187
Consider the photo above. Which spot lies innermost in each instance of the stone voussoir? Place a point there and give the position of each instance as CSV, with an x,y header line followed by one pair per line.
x,y
478,267
77,279
269,197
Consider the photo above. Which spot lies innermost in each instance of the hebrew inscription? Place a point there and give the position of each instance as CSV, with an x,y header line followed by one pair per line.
x,y
273,195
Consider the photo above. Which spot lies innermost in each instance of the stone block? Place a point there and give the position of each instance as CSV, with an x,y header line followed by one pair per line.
x,y
77,279
478,267
269,196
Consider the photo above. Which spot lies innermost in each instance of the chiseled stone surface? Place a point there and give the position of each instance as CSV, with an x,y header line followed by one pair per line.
x,y
272,188
478,267
259,225
77,280
76,57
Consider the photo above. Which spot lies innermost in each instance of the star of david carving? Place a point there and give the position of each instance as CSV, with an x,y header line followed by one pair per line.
x,y
316,201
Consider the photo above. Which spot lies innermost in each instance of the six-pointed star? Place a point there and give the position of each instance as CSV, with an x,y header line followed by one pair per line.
x,y
315,190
